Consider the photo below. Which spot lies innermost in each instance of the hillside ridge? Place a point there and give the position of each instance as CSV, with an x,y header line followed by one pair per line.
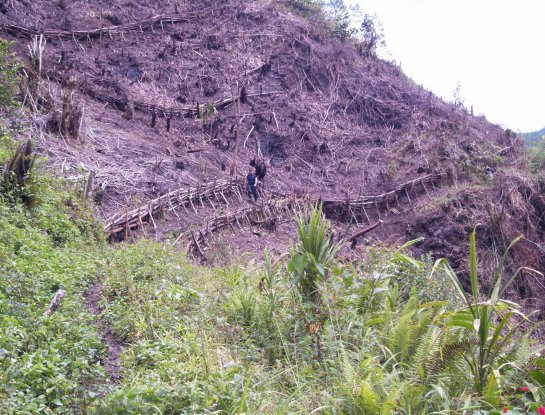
x,y
183,97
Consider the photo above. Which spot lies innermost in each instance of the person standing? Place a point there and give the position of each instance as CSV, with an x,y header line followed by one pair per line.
x,y
251,184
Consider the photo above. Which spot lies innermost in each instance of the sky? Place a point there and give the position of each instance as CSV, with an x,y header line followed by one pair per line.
x,y
495,50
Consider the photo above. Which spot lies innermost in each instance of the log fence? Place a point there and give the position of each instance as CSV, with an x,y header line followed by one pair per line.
x,y
185,197
138,26
387,199
253,215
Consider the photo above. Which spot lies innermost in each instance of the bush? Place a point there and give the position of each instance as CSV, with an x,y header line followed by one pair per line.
x,y
314,252
536,156
9,79
334,13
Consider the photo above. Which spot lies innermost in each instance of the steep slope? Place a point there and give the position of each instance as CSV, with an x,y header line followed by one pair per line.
x,y
179,95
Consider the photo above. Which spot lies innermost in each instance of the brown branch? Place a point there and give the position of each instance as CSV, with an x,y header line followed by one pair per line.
x,y
388,197
55,303
268,211
364,231
137,26
124,104
179,197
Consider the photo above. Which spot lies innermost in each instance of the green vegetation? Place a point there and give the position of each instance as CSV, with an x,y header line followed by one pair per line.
x,y
46,362
493,324
535,147
372,35
341,19
309,335
314,253
534,138
9,67
371,337
536,156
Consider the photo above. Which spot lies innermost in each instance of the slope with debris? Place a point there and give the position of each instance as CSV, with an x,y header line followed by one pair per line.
x,y
162,97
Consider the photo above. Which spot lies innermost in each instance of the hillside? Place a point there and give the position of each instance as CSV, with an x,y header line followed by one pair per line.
x,y
176,95
534,137
178,295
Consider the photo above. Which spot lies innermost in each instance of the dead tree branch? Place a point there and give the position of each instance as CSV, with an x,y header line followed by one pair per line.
x,y
55,303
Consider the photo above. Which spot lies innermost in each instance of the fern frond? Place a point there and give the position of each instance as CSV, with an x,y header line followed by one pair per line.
x,y
368,401
400,337
350,377
450,356
425,344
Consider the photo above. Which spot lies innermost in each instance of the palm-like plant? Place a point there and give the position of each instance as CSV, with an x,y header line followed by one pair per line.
x,y
313,253
492,323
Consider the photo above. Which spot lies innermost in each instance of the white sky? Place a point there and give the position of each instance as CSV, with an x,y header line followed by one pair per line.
x,y
495,49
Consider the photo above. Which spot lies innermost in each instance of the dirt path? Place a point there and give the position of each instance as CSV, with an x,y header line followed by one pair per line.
x,y
115,344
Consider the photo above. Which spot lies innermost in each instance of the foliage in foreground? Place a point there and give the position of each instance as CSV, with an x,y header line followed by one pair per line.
x,y
50,245
243,340
380,336
9,67
536,156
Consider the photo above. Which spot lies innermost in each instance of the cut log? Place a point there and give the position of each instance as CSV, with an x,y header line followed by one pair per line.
x,y
55,303
364,231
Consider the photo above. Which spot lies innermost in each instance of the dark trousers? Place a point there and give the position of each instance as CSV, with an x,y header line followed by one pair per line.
x,y
252,191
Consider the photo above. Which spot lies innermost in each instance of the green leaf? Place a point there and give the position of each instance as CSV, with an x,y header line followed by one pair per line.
x,y
462,319
443,263
321,269
473,276
374,321
411,243
298,263
540,362
402,258
538,376
499,269
491,394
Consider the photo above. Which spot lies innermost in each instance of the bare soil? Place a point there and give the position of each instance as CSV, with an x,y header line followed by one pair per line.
x,y
112,363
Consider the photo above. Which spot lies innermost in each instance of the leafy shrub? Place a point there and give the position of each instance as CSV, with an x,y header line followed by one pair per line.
x,y
536,156
314,252
372,35
335,14
9,68
493,327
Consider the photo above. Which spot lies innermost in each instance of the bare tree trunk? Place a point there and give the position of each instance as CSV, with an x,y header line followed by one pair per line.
x,y
233,171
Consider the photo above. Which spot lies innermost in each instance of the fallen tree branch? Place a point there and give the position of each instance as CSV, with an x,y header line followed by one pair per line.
x,y
364,231
387,197
123,103
55,303
137,26
253,215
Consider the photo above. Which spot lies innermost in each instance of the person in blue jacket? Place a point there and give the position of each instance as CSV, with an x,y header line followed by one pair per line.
x,y
252,182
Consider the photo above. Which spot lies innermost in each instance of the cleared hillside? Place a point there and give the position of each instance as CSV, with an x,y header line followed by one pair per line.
x,y
179,95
